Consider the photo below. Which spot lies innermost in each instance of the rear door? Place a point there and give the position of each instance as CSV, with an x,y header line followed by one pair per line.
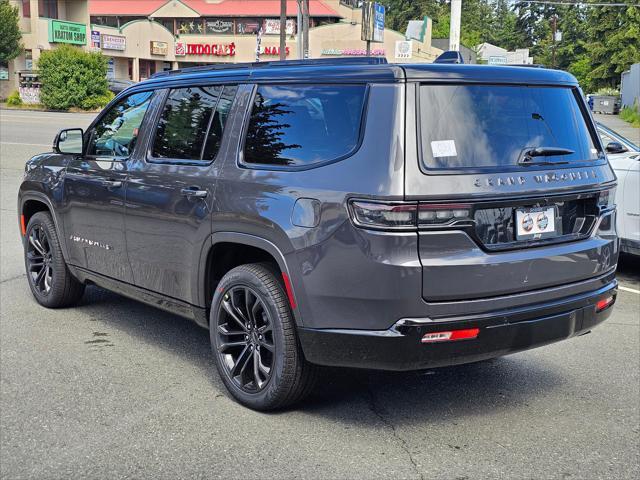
x,y
509,179
171,191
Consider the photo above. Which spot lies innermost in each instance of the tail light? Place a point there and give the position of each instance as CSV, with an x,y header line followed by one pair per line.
x,y
451,335
407,215
604,303
607,199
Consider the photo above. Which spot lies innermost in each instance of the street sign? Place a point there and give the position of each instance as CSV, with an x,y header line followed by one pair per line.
x,y
404,49
372,22
497,60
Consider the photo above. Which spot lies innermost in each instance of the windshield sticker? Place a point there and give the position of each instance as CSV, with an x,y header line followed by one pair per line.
x,y
443,148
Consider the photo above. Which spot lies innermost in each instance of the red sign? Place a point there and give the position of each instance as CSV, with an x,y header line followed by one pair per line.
x,y
223,50
275,51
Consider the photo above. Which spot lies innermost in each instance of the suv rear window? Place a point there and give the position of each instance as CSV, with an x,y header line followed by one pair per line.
x,y
493,126
301,125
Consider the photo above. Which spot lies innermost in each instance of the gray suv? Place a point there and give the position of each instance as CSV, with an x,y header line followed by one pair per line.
x,y
339,213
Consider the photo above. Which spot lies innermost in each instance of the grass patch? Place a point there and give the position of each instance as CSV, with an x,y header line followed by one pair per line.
x,y
631,115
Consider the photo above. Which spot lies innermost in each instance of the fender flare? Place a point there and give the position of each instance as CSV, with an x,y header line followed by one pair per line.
x,y
244,239
41,197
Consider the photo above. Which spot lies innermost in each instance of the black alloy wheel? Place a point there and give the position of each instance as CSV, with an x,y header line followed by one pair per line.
x,y
39,260
255,341
245,339
50,280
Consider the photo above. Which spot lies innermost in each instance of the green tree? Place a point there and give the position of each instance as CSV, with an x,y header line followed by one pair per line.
x,y
72,77
10,36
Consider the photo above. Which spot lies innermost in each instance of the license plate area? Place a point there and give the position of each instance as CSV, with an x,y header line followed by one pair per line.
x,y
535,223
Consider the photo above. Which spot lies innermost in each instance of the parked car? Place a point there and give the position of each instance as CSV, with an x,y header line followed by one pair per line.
x,y
624,156
117,85
341,212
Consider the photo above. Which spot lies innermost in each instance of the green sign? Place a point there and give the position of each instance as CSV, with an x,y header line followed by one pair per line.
x,y
67,32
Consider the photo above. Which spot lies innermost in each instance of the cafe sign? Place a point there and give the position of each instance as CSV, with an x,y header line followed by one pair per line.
x,y
218,50
159,48
67,32
114,42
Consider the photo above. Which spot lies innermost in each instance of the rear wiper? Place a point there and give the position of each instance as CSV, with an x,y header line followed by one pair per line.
x,y
529,154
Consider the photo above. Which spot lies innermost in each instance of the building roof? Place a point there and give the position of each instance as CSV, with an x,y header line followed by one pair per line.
x,y
224,8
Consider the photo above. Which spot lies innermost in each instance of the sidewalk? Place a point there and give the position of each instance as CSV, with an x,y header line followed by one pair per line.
x,y
617,125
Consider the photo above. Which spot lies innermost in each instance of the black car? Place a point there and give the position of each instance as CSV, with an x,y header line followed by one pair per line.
x,y
341,213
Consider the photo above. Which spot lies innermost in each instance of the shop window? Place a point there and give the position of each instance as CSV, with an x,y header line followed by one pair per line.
x,y
26,8
189,26
302,125
167,23
48,8
248,26
107,21
116,132
218,26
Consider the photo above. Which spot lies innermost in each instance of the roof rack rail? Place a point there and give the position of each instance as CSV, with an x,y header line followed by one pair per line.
x,y
356,60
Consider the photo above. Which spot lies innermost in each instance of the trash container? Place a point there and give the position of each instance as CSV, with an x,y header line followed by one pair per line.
x,y
606,104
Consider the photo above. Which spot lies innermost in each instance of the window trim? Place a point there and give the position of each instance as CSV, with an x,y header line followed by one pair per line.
x,y
149,158
143,125
240,162
512,168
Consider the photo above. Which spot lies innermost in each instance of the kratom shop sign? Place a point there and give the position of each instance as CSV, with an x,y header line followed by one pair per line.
x,y
67,32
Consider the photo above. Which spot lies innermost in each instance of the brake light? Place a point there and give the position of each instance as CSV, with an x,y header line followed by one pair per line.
x,y
606,199
604,303
408,216
452,335
394,216
438,214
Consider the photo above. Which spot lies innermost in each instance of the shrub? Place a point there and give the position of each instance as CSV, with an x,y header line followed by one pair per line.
x,y
95,102
14,99
608,91
72,78
631,115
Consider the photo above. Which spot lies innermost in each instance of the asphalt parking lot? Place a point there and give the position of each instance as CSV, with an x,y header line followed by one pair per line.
x,y
116,389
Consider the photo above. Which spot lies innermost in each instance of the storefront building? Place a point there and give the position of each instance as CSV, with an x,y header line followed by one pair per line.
x,y
142,37
146,37
44,24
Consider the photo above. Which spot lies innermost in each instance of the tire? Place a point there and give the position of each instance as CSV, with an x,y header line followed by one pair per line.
x,y
248,342
49,278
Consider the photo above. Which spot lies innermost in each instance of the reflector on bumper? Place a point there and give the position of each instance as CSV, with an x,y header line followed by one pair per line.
x,y
451,335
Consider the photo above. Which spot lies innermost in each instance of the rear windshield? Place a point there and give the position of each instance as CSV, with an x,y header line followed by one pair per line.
x,y
489,126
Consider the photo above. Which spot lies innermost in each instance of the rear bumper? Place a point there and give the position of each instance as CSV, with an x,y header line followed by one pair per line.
x,y
501,333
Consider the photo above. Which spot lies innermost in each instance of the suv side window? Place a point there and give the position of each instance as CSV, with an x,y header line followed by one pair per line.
x,y
302,125
116,133
192,123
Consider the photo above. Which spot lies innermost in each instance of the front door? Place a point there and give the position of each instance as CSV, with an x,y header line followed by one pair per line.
x,y
170,194
95,188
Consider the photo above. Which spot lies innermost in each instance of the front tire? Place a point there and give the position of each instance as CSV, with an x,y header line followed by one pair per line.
x,y
253,337
50,281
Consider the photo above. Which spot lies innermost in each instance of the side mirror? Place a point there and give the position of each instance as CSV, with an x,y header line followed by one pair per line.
x,y
615,147
69,141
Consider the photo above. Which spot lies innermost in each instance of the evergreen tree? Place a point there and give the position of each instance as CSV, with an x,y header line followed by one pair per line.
x,y
10,36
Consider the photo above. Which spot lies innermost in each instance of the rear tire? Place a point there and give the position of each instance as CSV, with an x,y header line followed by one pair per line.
x,y
254,340
49,278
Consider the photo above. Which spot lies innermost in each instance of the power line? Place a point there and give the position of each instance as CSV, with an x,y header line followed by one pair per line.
x,y
581,4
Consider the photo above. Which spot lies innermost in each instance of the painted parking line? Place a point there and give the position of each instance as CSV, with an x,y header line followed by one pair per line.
x,y
627,289
27,144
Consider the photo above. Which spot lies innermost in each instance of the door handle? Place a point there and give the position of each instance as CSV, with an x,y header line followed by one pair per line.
x,y
193,192
111,183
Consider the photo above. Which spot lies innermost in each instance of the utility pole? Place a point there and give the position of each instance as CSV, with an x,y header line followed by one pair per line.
x,y
454,26
283,29
554,28
299,30
305,28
